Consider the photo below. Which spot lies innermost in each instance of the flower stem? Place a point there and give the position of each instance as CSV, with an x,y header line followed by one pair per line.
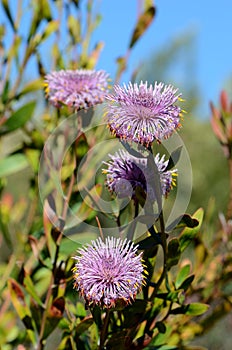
x,y
131,231
164,247
104,330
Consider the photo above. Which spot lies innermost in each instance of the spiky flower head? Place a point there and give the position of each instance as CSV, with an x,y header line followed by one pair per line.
x,y
76,88
143,113
109,273
125,173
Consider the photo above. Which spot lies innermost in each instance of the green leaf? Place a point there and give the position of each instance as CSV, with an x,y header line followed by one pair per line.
x,y
96,312
33,85
54,316
144,21
45,10
149,242
186,283
64,324
161,327
29,286
173,253
51,27
74,29
188,234
42,11
172,296
35,22
5,92
69,246
188,221
5,5
18,300
84,325
121,62
181,276
174,157
33,156
12,164
133,313
20,117
183,221
117,341
196,309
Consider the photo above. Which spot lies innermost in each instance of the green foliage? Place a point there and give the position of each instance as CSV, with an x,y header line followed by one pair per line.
x,y
12,164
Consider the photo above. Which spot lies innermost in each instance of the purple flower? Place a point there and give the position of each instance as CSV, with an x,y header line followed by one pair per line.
x,y
167,177
109,273
143,113
76,88
125,173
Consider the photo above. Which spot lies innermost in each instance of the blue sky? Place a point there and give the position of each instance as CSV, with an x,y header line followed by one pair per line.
x,y
210,20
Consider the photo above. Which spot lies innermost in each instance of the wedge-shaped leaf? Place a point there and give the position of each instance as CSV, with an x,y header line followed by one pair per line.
x,y
33,156
18,300
30,288
146,219
65,325
41,12
149,242
119,341
45,11
188,234
91,200
133,313
96,312
51,27
57,308
54,316
174,157
131,150
182,275
69,246
84,325
138,306
196,309
161,327
185,220
187,282
172,296
17,297
5,4
12,164
144,21
33,85
173,253
74,29
121,62
20,117
5,92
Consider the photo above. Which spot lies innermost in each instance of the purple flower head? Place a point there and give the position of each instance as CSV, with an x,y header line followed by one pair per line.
x,y
167,177
76,88
109,273
125,173
143,113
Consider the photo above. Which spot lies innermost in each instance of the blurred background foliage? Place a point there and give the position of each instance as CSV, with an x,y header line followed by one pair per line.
x,y
37,37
